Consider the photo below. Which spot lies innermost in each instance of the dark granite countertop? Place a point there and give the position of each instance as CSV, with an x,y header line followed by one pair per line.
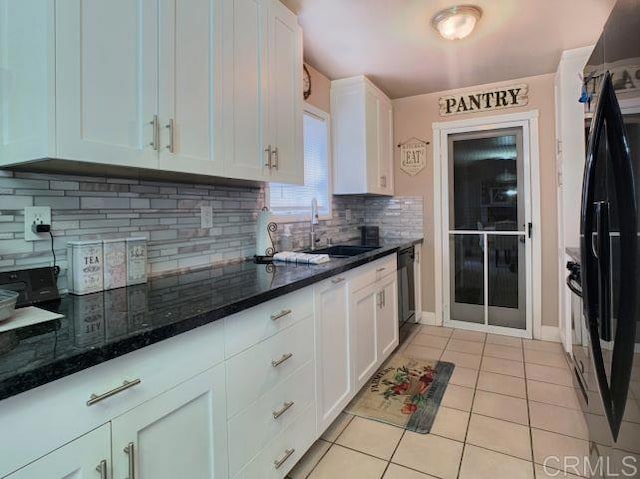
x,y
102,326
574,253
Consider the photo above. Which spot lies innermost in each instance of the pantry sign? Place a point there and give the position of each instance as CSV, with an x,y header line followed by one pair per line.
x,y
485,100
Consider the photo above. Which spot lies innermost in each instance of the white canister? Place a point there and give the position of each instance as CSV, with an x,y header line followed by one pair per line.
x,y
115,263
136,260
85,266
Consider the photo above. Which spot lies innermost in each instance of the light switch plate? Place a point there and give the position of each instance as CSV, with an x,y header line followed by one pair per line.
x,y
206,217
36,215
347,214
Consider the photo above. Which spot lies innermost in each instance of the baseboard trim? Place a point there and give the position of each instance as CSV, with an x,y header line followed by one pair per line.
x,y
550,333
429,318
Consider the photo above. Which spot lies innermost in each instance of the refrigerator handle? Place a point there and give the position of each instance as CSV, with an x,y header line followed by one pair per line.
x,y
604,269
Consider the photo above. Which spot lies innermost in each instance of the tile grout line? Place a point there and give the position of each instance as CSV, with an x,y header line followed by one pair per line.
x,y
475,390
526,393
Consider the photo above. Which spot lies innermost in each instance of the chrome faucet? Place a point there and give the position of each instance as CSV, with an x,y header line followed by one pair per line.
x,y
314,222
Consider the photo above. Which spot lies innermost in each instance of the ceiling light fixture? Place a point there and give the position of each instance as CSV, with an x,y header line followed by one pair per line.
x,y
455,23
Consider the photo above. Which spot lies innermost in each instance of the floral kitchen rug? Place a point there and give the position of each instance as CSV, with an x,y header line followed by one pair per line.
x,y
404,392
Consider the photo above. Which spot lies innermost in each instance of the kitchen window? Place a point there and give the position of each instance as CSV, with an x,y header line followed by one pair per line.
x,y
293,202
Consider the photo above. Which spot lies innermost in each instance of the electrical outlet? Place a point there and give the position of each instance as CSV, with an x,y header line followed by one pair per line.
x,y
206,217
36,215
347,214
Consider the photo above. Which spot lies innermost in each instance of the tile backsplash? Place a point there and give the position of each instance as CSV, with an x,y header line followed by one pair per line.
x,y
168,215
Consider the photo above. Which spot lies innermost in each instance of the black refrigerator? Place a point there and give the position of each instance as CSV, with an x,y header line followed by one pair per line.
x,y
608,379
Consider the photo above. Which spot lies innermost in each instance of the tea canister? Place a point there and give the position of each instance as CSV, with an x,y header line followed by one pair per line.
x,y
136,260
115,263
85,266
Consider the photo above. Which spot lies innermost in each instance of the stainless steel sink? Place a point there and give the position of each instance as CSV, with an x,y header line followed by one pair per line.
x,y
343,251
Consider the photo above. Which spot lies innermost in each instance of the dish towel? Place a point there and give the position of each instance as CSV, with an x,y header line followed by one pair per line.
x,y
306,258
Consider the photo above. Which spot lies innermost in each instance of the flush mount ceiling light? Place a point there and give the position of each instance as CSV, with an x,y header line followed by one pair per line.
x,y
455,23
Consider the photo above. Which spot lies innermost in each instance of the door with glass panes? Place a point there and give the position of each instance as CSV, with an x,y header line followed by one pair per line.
x,y
487,229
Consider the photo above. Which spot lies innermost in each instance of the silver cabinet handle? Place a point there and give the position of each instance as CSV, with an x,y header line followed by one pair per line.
x,y
285,408
281,314
269,152
96,398
337,280
276,157
379,299
130,451
171,129
155,143
277,362
380,270
102,469
383,181
287,454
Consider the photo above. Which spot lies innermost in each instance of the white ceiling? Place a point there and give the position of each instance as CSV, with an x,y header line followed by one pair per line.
x,y
392,41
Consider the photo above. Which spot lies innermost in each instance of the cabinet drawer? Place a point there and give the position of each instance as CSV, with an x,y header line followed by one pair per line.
x,y
159,367
252,429
293,441
372,272
249,327
252,373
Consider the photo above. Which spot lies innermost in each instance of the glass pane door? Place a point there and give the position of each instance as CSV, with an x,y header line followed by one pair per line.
x,y
487,228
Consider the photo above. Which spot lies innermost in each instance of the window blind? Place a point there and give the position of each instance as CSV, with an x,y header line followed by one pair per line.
x,y
296,200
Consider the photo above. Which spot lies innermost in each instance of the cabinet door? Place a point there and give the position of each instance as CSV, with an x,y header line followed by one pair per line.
x,y
363,309
190,85
88,457
245,85
181,433
333,365
385,139
27,58
285,95
372,129
107,81
387,317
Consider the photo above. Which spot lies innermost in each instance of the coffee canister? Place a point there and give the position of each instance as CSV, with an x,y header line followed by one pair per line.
x,y
115,263
136,260
85,260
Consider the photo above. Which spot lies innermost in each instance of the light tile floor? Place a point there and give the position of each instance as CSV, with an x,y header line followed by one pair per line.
x,y
509,404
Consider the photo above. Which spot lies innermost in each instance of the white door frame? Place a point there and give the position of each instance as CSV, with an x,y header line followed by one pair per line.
x,y
528,121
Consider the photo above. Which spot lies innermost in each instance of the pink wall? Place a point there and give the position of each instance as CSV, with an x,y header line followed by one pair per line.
x,y
320,90
413,117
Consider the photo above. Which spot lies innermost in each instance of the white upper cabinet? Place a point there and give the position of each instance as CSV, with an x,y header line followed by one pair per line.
x,y
285,118
245,24
106,81
362,123
205,87
26,80
190,86
263,68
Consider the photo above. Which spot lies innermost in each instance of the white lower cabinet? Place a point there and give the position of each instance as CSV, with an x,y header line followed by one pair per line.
x,y
88,457
180,433
387,316
292,364
363,306
333,369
